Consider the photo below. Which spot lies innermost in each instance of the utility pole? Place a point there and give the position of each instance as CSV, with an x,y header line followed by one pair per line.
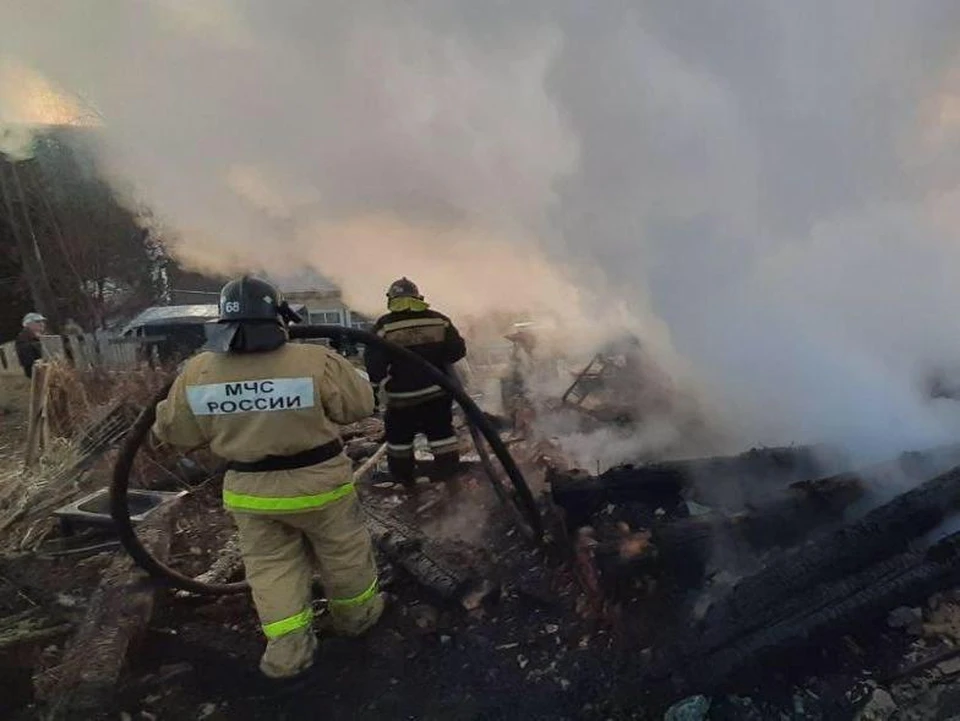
x,y
32,261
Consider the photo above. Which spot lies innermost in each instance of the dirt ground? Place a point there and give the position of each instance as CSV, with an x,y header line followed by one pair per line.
x,y
534,653
541,649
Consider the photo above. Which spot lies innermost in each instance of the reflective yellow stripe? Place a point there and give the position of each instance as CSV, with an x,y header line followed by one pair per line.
x,y
356,600
401,304
413,323
400,451
243,502
288,625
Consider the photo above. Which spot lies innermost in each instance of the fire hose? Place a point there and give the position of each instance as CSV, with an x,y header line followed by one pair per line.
x,y
485,461
521,499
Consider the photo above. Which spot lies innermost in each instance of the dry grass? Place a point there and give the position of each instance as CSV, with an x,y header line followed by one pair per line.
x,y
14,401
14,395
89,412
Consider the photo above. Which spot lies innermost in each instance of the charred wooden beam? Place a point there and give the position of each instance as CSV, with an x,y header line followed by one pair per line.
x,y
370,464
425,561
226,567
581,495
30,626
884,532
681,550
778,523
687,653
804,507
906,579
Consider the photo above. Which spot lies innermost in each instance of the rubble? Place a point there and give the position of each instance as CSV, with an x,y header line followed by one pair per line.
x,y
908,619
694,708
581,495
829,607
779,523
425,617
620,385
758,542
33,626
641,526
631,529
949,667
426,561
227,565
882,533
118,614
879,707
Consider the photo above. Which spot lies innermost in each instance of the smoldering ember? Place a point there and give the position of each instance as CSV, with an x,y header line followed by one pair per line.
x,y
479,361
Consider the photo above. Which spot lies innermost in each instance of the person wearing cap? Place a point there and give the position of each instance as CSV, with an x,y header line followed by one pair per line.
x,y
271,409
29,348
415,404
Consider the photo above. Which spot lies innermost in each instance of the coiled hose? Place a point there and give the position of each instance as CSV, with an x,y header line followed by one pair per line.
x,y
522,499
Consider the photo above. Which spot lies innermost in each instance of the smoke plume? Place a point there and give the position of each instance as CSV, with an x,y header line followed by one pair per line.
x,y
764,189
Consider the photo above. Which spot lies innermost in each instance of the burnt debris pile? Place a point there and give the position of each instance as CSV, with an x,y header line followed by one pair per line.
x,y
719,565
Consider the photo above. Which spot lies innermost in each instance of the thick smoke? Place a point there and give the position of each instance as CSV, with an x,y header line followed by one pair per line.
x,y
767,188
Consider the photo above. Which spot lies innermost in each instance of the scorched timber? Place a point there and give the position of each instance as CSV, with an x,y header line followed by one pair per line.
x,y
906,579
778,523
581,495
426,563
882,533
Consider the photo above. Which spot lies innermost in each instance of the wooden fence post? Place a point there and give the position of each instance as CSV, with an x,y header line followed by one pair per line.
x,y
38,390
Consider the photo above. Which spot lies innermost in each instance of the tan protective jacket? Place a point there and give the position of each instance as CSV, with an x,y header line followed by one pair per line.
x,y
249,406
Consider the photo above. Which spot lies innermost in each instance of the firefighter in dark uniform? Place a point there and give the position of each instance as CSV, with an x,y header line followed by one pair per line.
x,y
414,403
271,409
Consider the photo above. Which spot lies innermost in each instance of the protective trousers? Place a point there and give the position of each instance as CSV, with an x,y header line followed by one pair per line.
x,y
434,419
280,552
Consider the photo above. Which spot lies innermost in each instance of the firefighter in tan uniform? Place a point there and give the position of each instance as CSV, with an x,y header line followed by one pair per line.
x,y
271,409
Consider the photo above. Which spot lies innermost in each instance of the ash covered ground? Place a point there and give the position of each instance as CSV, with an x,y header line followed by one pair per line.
x,y
602,621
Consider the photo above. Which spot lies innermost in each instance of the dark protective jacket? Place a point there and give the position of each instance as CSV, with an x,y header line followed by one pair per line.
x,y
29,351
429,334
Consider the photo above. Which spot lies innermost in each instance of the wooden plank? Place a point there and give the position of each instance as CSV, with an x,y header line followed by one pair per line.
x,y
53,347
225,567
37,388
81,353
31,626
370,464
119,613
9,365
427,563
45,410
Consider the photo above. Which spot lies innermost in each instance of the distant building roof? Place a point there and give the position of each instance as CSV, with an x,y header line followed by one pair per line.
x,y
185,314
171,314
